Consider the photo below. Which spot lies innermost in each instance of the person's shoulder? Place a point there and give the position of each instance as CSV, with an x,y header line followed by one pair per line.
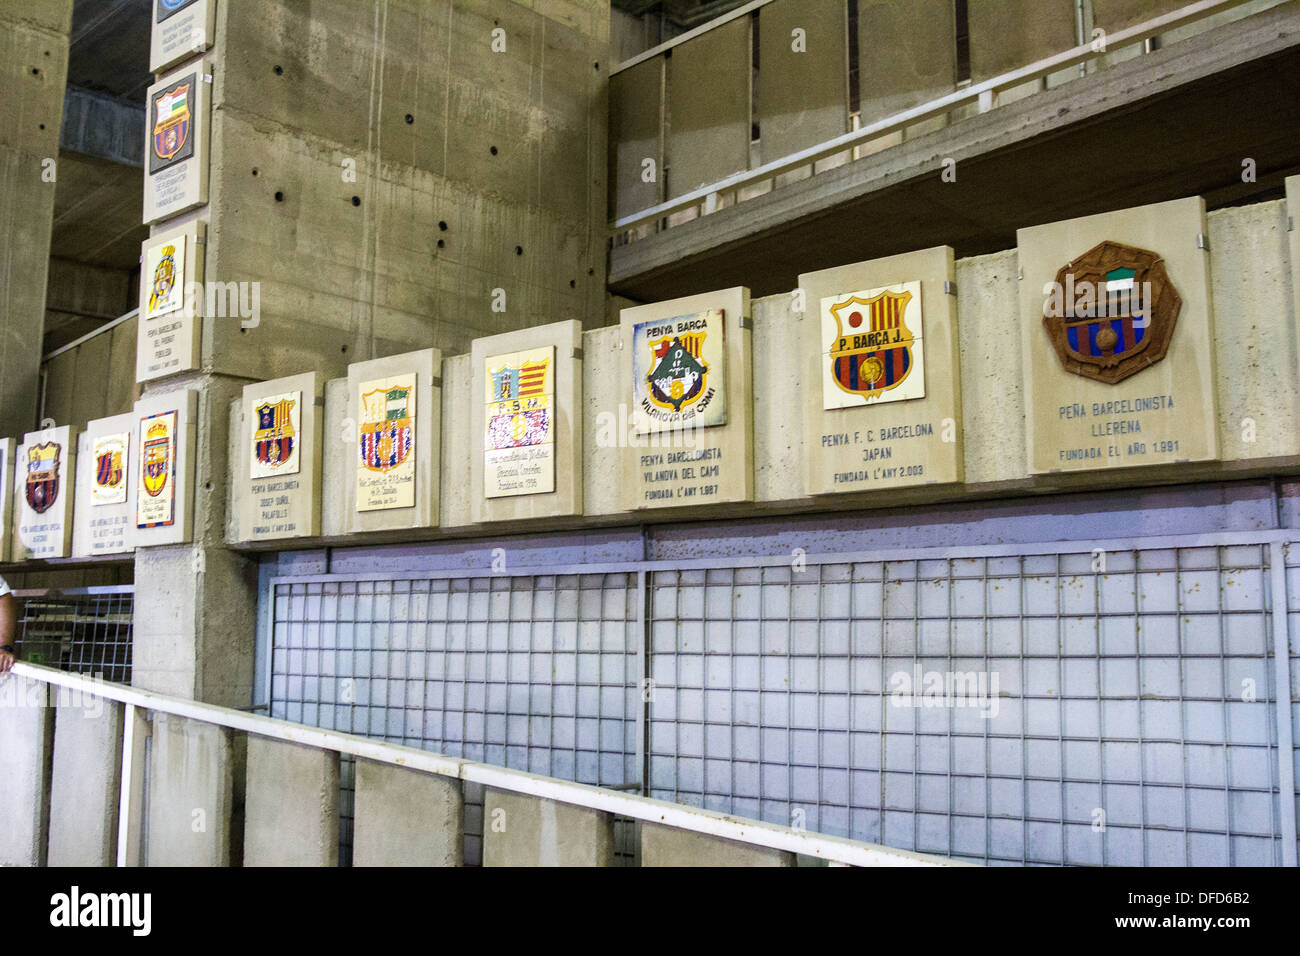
x,y
4,587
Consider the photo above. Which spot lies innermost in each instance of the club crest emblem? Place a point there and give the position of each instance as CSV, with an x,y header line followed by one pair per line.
x,y
274,438
387,432
157,459
872,341
171,128
42,489
1111,312
677,373
164,280
519,413
108,469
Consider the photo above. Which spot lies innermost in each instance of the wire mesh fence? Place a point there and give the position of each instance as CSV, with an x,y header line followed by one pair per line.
x,y
83,630
1086,708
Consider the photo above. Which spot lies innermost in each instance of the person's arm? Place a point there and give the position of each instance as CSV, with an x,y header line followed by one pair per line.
x,y
8,630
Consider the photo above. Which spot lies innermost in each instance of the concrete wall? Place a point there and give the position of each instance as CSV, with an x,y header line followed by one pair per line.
x,y
27,730
406,818
93,380
519,830
292,805
1257,379
87,781
663,846
33,73
195,790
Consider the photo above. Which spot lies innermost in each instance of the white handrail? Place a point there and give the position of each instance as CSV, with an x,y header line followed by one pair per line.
x,y
892,124
647,809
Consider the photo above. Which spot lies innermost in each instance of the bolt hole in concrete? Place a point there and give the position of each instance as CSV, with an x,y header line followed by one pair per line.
x,y
279,197
493,150
573,283
36,71
442,226
344,349
207,486
254,171
356,200
42,126
441,243
279,70
409,119
519,250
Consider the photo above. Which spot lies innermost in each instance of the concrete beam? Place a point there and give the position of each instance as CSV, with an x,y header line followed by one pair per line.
x,y
291,811
27,729
87,782
519,830
664,846
1143,131
95,124
406,818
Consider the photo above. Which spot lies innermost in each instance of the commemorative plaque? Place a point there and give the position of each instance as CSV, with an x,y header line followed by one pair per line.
x,y
176,142
44,469
687,372
181,29
527,410
882,375
276,481
105,492
1117,340
168,328
394,409
163,472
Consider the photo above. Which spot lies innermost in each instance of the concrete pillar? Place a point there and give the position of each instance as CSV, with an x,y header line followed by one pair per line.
x,y
664,846
34,51
193,818
87,782
292,805
26,750
406,818
519,830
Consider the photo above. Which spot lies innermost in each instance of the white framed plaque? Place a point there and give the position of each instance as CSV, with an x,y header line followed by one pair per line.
x,y
168,329
275,488
105,493
180,29
176,142
44,468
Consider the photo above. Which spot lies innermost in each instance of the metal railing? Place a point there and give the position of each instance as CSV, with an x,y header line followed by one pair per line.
x,y
983,95
83,630
834,850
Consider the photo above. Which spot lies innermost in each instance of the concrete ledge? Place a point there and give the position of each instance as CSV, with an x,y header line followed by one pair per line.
x,y
407,818
291,810
27,730
191,793
519,830
86,786
664,846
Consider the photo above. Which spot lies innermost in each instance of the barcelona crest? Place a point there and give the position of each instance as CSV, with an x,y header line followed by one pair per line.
x,y
172,121
678,365
274,437
1111,312
156,463
873,342
677,375
387,430
164,282
42,488
519,411
108,469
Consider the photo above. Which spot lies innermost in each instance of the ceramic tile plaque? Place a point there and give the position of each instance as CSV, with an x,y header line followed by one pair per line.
x,y
276,480
882,402
163,469
105,492
45,467
180,29
392,462
527,413
176,142
1118,340
687,376
168,329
